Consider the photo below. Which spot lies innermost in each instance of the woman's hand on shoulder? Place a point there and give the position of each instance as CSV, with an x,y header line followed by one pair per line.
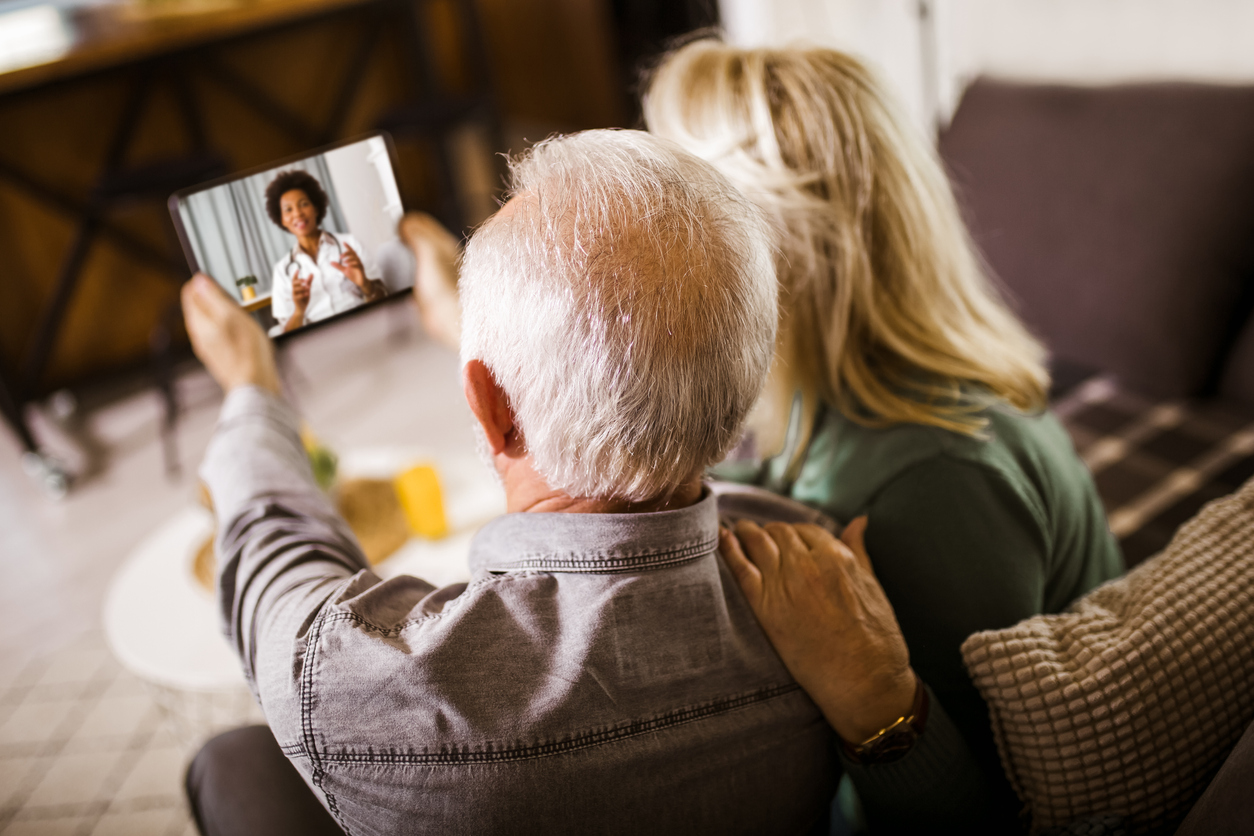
x,y
819,603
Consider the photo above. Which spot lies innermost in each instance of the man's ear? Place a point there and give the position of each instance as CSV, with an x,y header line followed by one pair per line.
x,y
491,407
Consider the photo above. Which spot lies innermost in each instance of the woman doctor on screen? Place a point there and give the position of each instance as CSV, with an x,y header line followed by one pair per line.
x,y
324,273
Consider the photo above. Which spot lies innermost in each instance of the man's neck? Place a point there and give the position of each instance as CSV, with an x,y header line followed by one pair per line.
x,y
556,502
527,492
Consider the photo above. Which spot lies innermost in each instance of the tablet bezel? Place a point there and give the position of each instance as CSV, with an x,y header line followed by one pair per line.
x,y
172,204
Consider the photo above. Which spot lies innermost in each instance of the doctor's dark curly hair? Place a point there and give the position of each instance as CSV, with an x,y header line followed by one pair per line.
x,y
287,181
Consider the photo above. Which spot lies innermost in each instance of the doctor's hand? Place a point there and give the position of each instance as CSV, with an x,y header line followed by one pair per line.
x,y
350,265
827,616
226,339
301,290
436,251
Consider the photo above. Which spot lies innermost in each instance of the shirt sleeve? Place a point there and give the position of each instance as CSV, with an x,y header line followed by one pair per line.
x,y
281,305
282,549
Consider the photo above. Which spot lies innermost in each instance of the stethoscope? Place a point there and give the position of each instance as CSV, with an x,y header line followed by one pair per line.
x,y
294,268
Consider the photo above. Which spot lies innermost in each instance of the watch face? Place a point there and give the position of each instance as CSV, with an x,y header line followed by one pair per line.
x,y
896,741
892,746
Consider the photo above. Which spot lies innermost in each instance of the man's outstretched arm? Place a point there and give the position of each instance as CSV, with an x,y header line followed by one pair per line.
x,y
282,549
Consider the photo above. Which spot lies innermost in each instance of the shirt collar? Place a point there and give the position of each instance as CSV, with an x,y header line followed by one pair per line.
x,y
322,242
597,543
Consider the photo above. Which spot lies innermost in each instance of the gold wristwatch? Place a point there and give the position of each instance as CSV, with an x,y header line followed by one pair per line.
x,y
894,741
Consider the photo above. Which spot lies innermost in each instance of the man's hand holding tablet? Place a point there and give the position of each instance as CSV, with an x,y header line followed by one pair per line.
x,y
226,339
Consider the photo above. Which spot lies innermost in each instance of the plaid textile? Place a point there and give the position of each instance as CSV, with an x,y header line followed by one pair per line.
x,y
1156,463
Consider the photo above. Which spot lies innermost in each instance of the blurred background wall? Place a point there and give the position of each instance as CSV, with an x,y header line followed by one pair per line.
x,y
1103,154
554,65
1068,41
368,195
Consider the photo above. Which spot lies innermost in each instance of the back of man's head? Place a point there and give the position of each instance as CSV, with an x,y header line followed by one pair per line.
x,y
626,305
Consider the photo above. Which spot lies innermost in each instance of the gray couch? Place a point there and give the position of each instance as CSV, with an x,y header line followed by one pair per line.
x,y
1121,222
1122,219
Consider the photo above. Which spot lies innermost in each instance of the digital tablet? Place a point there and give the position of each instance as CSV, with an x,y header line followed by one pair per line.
x,y
303,241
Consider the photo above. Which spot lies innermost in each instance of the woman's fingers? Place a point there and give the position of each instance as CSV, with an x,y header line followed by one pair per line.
x,y
758,545
854,537
789,542
301,291
351,268
816,537
349,260
747,576
827,617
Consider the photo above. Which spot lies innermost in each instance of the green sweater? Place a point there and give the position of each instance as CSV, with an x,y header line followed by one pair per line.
x,y
965,534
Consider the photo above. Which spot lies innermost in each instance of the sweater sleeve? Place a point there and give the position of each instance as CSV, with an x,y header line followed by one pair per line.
x,y
957,549
938,787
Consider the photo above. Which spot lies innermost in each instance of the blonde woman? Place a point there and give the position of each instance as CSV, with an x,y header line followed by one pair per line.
x,y
903,390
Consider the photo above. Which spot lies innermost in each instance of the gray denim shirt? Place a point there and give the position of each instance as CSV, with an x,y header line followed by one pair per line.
x,y
600,673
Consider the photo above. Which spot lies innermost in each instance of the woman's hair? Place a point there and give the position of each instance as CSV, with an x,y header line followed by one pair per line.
x,y
290,180
886,311
625,301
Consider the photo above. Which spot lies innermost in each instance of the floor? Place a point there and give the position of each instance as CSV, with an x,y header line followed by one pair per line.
x,y
84,749
85,746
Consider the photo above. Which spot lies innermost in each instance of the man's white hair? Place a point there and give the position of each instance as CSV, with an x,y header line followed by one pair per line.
x,y
626,306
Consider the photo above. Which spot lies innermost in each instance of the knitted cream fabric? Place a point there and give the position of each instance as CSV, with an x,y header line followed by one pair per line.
x,y
1128,702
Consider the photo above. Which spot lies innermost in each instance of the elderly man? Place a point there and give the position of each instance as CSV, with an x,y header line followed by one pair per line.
x,y
601,672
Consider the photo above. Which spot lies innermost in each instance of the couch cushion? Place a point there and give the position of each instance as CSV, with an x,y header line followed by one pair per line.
x,y
1129,701
1120,218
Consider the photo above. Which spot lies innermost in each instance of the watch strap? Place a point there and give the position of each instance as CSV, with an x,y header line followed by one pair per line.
x,y
895,740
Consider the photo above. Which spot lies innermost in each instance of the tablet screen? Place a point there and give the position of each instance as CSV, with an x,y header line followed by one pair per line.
x,y
304,241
